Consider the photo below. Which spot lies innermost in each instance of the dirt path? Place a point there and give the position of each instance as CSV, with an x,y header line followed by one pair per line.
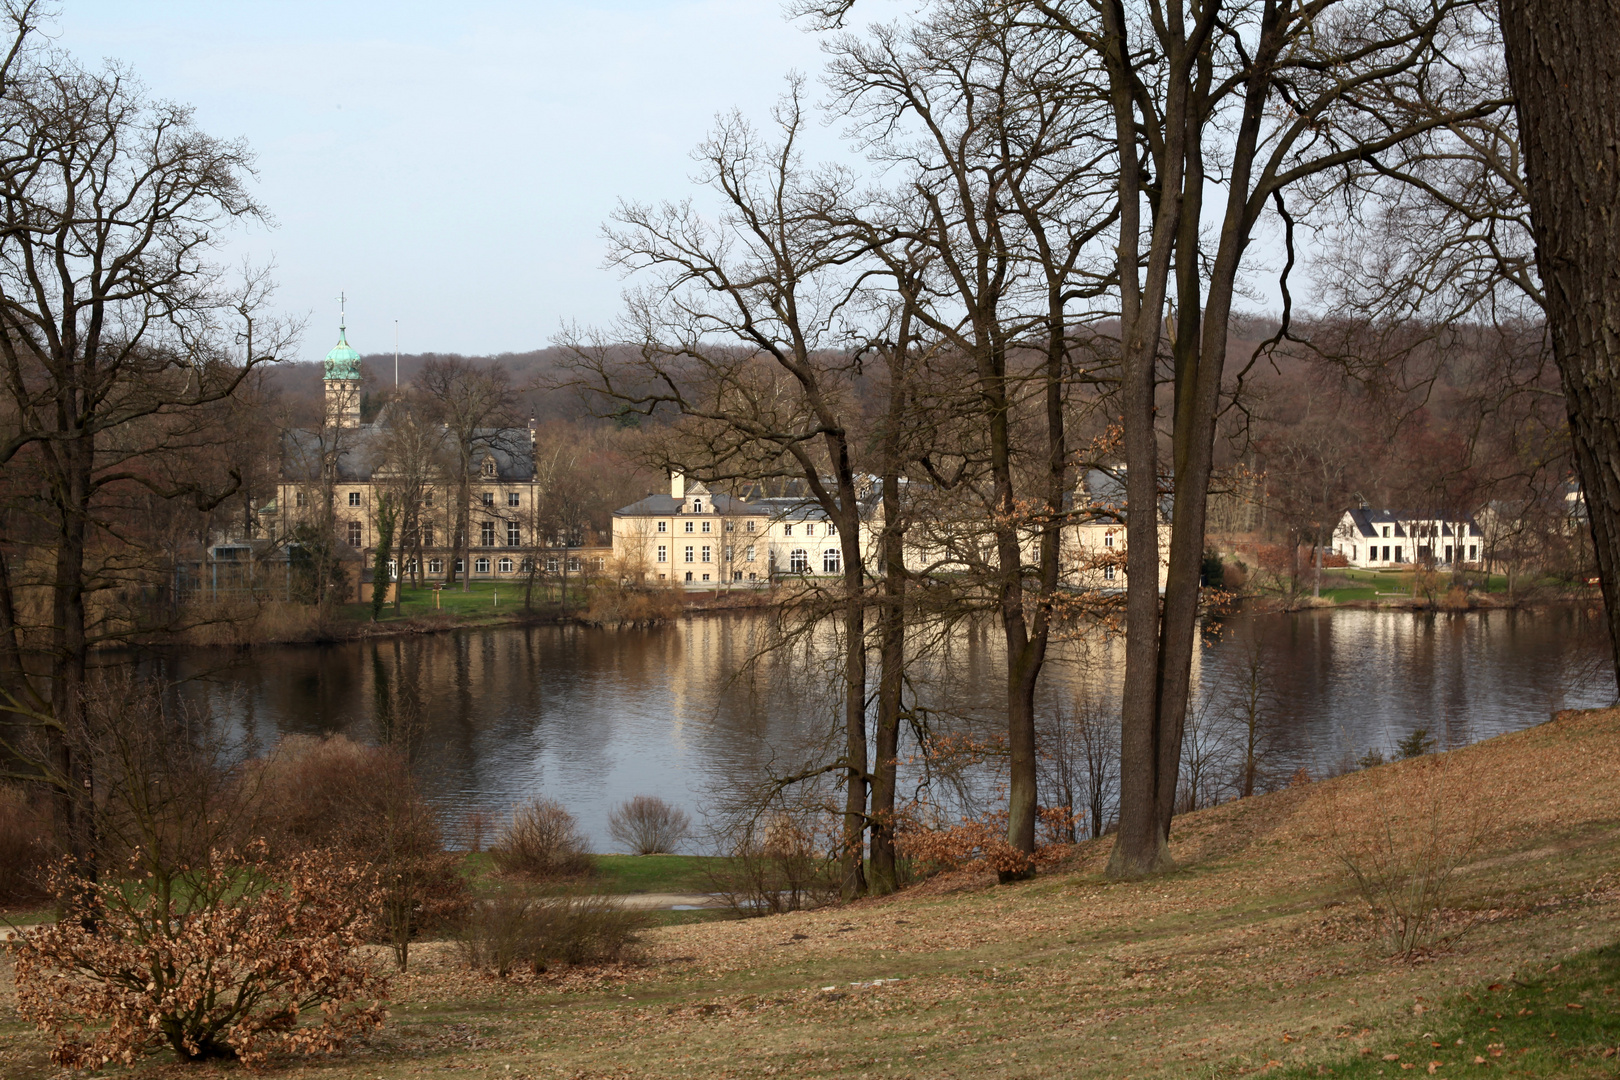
x,y
670,900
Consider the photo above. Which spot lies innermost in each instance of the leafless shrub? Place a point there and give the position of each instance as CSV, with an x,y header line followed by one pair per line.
x,y
632,606
220,959
1208,756
648,825
515,930
1404,854
541,840
1079,768
474,828
25,847
781,861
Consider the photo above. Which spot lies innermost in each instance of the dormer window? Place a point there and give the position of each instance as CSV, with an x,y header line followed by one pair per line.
x,y
489,466
697,506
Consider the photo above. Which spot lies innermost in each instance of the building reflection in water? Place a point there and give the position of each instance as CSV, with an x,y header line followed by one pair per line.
x,y
592,717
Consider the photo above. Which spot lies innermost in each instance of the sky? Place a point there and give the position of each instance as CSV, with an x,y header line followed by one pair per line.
x,y
450,165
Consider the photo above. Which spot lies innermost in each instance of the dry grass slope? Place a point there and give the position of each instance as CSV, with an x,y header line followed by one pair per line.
x,y
1256,955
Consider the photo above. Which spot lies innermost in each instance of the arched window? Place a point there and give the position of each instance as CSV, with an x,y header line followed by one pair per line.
x,y
489,466
832,561
505,566
798,561
481,566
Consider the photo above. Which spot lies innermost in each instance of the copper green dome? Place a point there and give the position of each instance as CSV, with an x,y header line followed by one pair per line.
x,y
342,362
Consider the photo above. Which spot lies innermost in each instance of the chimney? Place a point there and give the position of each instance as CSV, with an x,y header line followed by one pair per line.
x,y
677,485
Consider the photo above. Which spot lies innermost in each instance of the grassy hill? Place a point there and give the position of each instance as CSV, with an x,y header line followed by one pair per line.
x,y
1257,957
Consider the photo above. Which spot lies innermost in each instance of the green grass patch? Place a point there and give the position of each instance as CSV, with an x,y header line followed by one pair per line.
x,y
653,873
484,599
1564,1021
616,874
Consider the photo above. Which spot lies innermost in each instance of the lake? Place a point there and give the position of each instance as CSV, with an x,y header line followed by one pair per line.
x,y
591,717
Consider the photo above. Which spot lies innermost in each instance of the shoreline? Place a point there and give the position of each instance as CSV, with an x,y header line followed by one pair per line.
x,y
341,630
344,631
1273,604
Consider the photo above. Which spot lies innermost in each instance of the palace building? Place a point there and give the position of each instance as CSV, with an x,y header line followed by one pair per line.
x,y
344,464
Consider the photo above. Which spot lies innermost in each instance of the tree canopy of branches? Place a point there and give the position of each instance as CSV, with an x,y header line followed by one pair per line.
x,y
119,341
474,404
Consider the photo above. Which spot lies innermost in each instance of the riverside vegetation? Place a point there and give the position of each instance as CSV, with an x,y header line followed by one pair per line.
x,y
1261,954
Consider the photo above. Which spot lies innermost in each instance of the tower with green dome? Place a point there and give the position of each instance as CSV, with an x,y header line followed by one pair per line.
x,y
342,380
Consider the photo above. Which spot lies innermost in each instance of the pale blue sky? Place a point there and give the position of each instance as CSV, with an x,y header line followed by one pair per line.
x,y
450,165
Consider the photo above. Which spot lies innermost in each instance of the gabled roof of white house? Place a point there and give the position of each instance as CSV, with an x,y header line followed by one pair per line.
x,y
1369,522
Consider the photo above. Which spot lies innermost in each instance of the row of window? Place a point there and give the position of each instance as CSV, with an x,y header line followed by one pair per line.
x,y
736,575
486,534
513,498
832,560
481,565
827,527
1400,553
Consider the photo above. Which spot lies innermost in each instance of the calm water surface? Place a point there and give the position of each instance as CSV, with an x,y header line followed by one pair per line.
x,y
592,717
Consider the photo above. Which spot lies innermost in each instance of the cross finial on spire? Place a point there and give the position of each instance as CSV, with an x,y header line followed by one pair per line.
x,y
343,315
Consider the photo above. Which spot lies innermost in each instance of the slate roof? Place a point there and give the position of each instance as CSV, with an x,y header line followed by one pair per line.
x,y
776,507
1369,522
667,504
1105,488
362,454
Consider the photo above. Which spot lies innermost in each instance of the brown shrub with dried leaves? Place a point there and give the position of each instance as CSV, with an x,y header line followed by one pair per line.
x,y
237,958
786,860
337,794
931,844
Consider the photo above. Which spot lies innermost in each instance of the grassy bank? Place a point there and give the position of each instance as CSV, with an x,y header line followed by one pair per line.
x,y
1394,588
1257,956
616,875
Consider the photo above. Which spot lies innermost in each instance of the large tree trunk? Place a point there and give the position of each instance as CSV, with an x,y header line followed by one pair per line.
x,y
1564,60
1025,652
1142,845
72,778
891,681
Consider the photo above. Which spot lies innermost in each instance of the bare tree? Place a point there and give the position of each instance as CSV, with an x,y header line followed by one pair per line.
x,y
739,337
1002,188
1562,62
116,334
1190,84
474,403
413,450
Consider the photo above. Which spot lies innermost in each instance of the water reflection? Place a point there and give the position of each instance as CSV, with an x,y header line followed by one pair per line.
x,y
592,717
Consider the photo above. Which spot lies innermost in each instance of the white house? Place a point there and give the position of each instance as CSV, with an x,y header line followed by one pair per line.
x,y
1093,545
700,539
1376,539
